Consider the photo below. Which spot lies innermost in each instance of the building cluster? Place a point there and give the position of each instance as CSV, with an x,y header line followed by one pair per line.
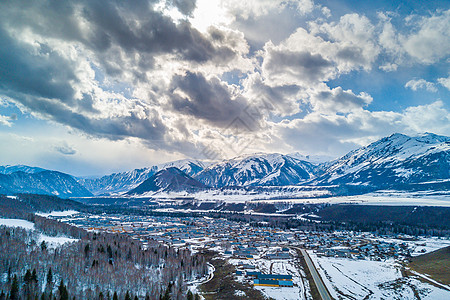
x,y
354,246
239,239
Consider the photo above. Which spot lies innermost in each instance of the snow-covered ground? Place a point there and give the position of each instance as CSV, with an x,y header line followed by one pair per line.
x,y
17,223
55,241
422,245
65,213
358,279
295,195
51,241
277,266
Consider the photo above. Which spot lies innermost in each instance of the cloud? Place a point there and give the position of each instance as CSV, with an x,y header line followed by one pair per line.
x,y
282,66
445,82
352,41
5,121
65,149
338,100
257,8
186,7
416,84
209,100
336,134
431,41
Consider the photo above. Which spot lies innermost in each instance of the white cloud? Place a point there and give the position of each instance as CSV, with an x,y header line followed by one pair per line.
x,y
431,41
5,121
445,82
389,67
416,84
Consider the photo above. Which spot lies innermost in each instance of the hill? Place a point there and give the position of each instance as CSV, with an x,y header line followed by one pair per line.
x,y
435,264
168,180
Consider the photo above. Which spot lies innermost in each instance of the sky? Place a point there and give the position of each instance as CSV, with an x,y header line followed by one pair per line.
x,y
95,87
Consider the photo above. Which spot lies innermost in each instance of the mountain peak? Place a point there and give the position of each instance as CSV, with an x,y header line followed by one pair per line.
x,y
170,179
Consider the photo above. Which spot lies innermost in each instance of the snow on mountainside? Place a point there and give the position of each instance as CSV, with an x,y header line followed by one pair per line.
x,y
392,161
314,159
45,182
263,169
11,169
125,181
168,180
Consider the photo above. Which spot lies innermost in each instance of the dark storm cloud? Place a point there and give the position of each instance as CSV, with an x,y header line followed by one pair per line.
x,y
186,7
352,54
302,65
116,34
149,128
133,26
339,100
46,75
209,100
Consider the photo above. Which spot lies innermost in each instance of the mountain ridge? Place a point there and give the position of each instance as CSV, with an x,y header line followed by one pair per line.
x,y
396,161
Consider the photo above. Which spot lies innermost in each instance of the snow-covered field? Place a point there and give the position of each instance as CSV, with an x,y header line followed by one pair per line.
x,y
51,241
363,279
298,196
65,213
17,223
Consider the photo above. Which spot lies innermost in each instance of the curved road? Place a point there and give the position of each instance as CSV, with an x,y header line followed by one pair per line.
x,y
324,294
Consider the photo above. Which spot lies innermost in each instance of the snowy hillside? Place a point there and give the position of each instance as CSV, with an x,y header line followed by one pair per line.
x,y
167,180
125,181
11,169
264,169
392,161
45,182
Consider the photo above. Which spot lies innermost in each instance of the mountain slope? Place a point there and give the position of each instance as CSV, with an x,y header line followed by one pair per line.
x,y
125,181
265,169
391,162
45,182
26,169
168,180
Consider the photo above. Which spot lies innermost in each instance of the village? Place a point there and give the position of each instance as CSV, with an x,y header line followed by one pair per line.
x,y
254,250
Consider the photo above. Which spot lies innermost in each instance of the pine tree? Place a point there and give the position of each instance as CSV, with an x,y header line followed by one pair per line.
x,y
189,295
115,297
14,293
49,276
127,296
2,295
86,250
27,277
34,278
63,294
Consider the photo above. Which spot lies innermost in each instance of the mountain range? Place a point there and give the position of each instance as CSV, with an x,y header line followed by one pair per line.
x,y
394,162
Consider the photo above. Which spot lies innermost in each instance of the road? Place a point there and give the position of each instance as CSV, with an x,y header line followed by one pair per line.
x,y
324,294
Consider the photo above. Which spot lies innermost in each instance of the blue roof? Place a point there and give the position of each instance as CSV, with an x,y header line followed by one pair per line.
x,y
275,276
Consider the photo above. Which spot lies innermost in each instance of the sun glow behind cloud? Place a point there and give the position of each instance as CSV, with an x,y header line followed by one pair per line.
x,y
208,13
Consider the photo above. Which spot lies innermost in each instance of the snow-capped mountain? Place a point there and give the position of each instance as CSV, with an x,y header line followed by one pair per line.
x,y
26,169
392,161
314,159
263,169
125,181
168,180
44,182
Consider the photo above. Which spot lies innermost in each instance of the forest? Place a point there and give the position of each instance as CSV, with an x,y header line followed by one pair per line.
x,y
96,266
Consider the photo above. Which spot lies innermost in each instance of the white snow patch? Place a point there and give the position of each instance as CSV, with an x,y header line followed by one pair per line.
x,y
55,241
64,213
17,223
